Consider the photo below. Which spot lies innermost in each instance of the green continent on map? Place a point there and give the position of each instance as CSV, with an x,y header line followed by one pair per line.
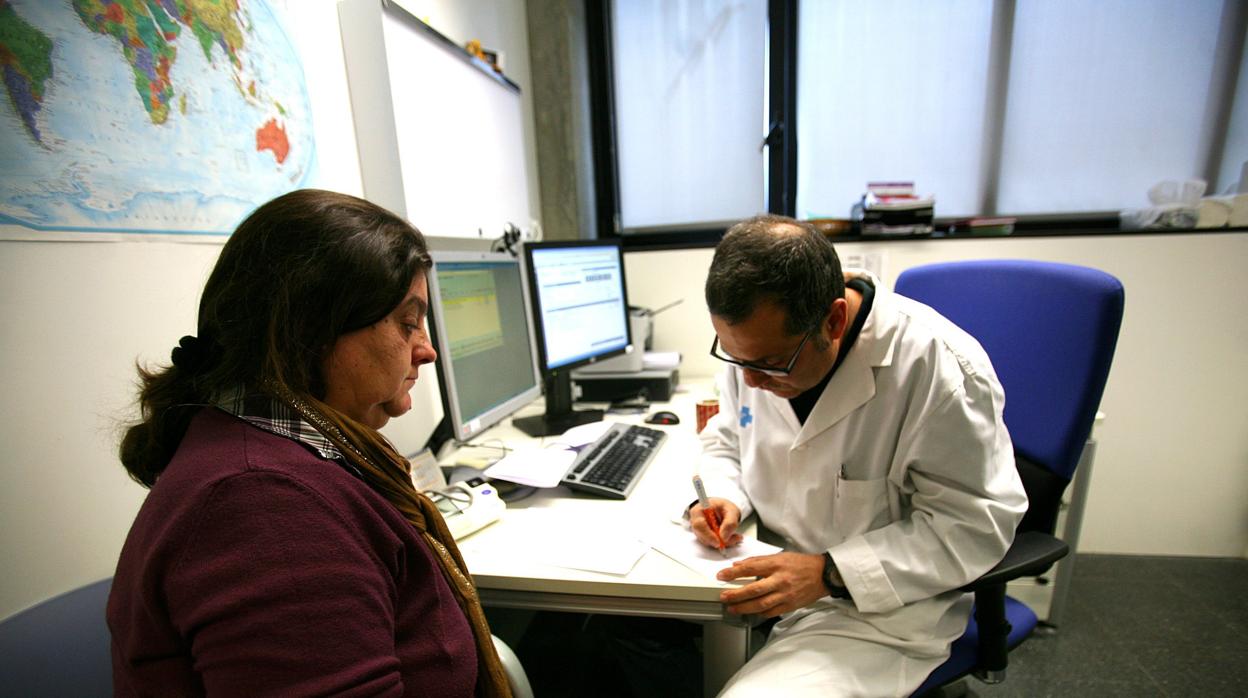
x,y
145,30
144,43
26,64
216,22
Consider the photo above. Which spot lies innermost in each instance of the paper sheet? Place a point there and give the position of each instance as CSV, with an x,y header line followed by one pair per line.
x,y
535,467
583,434
680,544
536,535
610,554
427,476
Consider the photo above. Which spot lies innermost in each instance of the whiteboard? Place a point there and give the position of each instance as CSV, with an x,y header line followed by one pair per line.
x,y
441,136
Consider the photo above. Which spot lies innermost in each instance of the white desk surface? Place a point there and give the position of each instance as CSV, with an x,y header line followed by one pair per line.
x,y
497,557
501,557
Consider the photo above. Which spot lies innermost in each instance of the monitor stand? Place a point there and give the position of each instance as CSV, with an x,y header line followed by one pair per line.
x,y
559,416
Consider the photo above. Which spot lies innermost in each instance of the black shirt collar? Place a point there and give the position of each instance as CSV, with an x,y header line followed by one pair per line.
x,y
804,403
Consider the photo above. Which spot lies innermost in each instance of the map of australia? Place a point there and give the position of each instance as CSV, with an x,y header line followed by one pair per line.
x,y
168,116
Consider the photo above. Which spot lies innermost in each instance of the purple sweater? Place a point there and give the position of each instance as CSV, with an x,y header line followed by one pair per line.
x,y
255,567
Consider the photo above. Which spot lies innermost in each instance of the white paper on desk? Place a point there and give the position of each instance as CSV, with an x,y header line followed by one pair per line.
x,y
596,552
537,535
580,435
535,467
681,545
427,476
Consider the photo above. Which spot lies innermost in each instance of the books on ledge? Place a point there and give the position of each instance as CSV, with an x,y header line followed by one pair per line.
x,y
893,208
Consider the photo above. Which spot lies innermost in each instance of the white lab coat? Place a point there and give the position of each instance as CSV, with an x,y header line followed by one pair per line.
x,y
903,471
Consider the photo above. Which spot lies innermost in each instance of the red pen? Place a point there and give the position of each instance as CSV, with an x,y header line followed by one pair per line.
x,y
711,515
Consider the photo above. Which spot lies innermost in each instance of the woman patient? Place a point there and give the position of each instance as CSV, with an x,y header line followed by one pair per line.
x,y
282,549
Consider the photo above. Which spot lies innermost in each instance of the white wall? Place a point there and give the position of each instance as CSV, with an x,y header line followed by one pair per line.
x,y
75,318
1171,471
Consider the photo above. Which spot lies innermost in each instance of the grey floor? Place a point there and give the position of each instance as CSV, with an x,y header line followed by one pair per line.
x,y
1135,626
1140,626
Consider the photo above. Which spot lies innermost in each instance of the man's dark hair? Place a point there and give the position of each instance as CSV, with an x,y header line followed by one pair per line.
x,y
776,259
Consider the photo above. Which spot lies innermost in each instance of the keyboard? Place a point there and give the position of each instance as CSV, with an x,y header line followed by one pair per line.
x,y
612,464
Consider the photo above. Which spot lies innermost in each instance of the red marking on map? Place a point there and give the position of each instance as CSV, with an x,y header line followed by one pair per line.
x,y
272,137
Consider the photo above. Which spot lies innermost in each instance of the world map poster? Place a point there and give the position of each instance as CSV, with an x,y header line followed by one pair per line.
x,y
148,116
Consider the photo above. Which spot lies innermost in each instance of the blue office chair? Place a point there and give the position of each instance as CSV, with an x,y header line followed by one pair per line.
x,y
1050,330
60,647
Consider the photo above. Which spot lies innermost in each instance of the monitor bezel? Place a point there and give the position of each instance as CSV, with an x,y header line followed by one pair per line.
x,y
462,430
535,311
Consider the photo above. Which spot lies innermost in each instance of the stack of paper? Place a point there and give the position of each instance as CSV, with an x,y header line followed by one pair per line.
x,y
661,361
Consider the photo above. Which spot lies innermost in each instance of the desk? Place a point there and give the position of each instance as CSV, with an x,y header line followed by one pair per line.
x,y
657,586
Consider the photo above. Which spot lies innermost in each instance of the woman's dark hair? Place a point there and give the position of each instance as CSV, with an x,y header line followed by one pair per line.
x,y
300,271
775,259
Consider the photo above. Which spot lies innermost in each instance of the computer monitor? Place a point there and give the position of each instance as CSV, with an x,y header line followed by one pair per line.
x,y
486,363
580,315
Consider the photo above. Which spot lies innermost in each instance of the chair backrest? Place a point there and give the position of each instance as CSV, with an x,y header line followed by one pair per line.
x,y
1050,330
516,676
60,647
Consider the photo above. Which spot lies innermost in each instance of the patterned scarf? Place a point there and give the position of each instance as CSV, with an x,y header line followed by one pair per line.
x,y
389,474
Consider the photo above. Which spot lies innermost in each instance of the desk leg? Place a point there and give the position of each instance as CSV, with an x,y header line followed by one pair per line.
x,y
725,648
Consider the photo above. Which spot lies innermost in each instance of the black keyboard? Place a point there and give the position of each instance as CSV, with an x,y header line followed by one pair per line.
x,y
612,465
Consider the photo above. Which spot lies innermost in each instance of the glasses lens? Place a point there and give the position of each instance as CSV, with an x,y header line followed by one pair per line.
x,y
767,370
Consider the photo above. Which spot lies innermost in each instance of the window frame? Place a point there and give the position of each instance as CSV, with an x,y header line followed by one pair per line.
x,y
781,168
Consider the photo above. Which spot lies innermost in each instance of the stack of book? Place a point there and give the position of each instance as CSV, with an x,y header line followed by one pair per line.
x,y
892,208
1002,225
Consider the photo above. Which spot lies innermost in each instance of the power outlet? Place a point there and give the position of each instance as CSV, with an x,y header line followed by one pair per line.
x,y
872,261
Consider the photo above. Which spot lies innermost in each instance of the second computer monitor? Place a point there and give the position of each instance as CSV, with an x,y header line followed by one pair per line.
x,y
580,315
486,361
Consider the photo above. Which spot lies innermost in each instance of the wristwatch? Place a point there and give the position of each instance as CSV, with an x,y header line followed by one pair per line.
x,y
832,579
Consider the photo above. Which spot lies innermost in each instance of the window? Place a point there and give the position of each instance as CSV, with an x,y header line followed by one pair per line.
x,y
1105,100
879,100
689,80
996,107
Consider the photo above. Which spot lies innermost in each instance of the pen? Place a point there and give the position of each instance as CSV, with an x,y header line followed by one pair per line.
x,y
712,516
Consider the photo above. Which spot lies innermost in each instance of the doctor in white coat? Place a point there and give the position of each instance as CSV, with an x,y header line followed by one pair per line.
x,y
866,432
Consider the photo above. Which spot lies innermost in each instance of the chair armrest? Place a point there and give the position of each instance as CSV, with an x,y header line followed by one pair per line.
x,y
1031,554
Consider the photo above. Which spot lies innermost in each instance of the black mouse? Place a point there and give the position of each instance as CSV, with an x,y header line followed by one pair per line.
x,y
663,417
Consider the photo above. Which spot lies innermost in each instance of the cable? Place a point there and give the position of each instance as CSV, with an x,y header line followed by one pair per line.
x,y
507,243
487,444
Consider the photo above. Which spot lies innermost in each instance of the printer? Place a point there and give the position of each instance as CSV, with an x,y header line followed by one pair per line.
x,y
633,375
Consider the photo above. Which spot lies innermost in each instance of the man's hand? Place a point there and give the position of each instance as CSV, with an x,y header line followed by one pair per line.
x,y
787,582
729,519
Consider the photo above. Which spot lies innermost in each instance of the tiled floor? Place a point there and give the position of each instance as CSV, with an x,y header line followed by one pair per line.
x,y
1140,626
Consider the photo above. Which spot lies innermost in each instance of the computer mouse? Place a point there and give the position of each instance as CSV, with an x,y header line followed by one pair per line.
x,y
663,417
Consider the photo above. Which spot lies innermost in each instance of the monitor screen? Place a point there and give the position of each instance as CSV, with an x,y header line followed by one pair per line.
x,y
580,315
486,363
581,309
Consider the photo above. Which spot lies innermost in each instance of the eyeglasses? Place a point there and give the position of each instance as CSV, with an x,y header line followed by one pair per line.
x,y
767,370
